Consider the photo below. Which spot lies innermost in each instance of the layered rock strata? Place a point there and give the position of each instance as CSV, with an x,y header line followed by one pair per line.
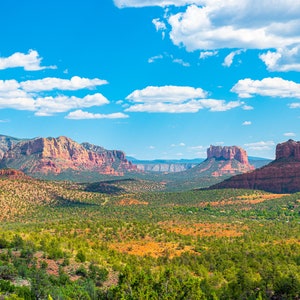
x,y
280,176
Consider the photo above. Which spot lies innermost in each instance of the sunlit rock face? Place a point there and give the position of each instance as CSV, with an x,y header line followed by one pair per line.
x,y
280,176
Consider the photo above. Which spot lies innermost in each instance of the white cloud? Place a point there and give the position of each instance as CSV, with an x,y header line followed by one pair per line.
x,y
44,105
8,85
48,106
229,58
169,57
283,59
80,115
294,105
260,146
247,123
219,105
192,106
271,87
178,145
247,107
27,95
30,61
289,134
181,62
161,3
206,54
154,58
248,24
170,94
51,83
159,25
20,103
175,99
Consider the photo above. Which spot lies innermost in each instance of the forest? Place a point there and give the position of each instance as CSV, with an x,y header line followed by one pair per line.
x,y
131,239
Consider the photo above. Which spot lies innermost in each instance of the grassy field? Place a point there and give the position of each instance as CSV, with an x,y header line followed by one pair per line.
x,y
129,239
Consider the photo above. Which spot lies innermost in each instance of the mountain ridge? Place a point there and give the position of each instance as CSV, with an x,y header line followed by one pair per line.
x,y
56,155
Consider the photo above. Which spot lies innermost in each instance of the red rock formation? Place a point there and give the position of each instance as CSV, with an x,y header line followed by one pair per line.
x,y
280,176
228,153
13,174
54,155
288,150
229,160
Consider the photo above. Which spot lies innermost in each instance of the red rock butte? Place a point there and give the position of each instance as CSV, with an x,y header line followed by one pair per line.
x,y
228,153
228,160
280,176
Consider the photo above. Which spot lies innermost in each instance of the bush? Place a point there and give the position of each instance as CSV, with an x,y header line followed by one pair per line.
x,y
80,256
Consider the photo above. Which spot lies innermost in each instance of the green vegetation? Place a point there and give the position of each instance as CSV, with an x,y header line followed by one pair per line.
x,y
130,240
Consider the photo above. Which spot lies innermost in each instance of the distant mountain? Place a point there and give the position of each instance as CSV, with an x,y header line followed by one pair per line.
x,y
166,161
280,176
165,166
58,155
180,165
258,162
6,143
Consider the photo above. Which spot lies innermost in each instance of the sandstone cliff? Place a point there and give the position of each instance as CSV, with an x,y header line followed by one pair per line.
x,y
228,160
280,176
55,155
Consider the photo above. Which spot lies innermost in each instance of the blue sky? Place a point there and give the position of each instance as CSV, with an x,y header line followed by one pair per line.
x,y
155,78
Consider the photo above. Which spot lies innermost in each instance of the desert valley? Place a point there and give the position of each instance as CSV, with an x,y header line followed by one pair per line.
x,y
82,222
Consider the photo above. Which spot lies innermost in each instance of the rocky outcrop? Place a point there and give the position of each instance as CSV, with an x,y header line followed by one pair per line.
x,y
228,153
289,150
280,176
55,155
222,161
12,174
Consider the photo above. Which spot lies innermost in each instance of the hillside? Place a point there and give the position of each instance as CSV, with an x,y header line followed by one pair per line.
x,y
119,240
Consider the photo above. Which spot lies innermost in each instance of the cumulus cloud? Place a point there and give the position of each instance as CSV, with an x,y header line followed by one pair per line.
x,y
175,99
283,59
260,146
161,3
47,106
30,95
81,115
192,106
272,87
189,107
51,83
30,61
247,24
171,94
